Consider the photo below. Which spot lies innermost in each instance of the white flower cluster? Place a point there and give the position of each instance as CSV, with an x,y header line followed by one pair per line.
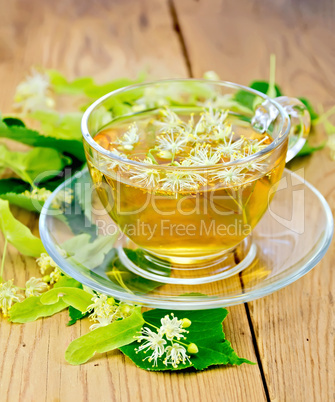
x,y
206,143
34,93
63,199
104,310
39,194
51,271
8,296
165,343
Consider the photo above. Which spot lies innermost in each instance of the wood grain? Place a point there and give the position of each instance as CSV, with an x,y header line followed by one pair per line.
x,y
108,40
294,327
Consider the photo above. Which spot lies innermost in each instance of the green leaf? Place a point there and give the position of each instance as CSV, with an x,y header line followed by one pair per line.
x,y
76,315
247,99
104,339
31,309
310,108
13,121
96,91
74,297
119,274
307,149
62,86
12,189
59,125
205,331
31,137
89,254
30,165
18,234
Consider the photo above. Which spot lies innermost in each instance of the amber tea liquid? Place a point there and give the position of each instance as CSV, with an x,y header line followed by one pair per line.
x,y
171,218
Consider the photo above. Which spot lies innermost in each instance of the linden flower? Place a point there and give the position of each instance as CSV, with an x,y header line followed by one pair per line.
x,y
33,93
45,262
175,355
40,194
229,148
110,163
102,307
63,199
55,275
35,286
146,177
154,342
255,166
153,97
254,146
172,328
211,121
8,296
170,122
181,181
102,322
170,144
231,175
204,156
221,133
130,137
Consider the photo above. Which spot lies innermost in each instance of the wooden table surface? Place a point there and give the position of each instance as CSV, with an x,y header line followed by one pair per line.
x,y
290,333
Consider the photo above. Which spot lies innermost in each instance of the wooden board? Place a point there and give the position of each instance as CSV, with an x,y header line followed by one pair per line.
x,y
294,327
108,40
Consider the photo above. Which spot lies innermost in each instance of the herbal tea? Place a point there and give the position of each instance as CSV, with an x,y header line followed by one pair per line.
x,y
174,188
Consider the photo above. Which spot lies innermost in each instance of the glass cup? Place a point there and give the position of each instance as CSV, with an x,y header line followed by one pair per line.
x,y
199,218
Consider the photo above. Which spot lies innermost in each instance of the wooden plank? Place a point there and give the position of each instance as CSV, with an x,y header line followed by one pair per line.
x,y
107,40
294,327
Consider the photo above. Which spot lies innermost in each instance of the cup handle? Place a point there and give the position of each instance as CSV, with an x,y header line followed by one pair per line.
x,y
300,124
300,119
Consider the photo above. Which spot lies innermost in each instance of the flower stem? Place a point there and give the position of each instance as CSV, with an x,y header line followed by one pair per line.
x,y
3,259
152,325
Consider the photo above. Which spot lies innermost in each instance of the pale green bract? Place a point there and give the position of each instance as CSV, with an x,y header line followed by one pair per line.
x,y
89,254
77,298
105,339
32,308
18,234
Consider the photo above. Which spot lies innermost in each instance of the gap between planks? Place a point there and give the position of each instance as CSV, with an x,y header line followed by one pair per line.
x,y
179,32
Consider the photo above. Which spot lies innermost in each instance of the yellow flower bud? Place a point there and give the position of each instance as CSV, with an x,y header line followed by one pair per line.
x,y
111,301
186,323
46,278
125,309
193,349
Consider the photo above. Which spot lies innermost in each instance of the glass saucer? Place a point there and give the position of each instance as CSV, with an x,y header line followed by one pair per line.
x,y
82,239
